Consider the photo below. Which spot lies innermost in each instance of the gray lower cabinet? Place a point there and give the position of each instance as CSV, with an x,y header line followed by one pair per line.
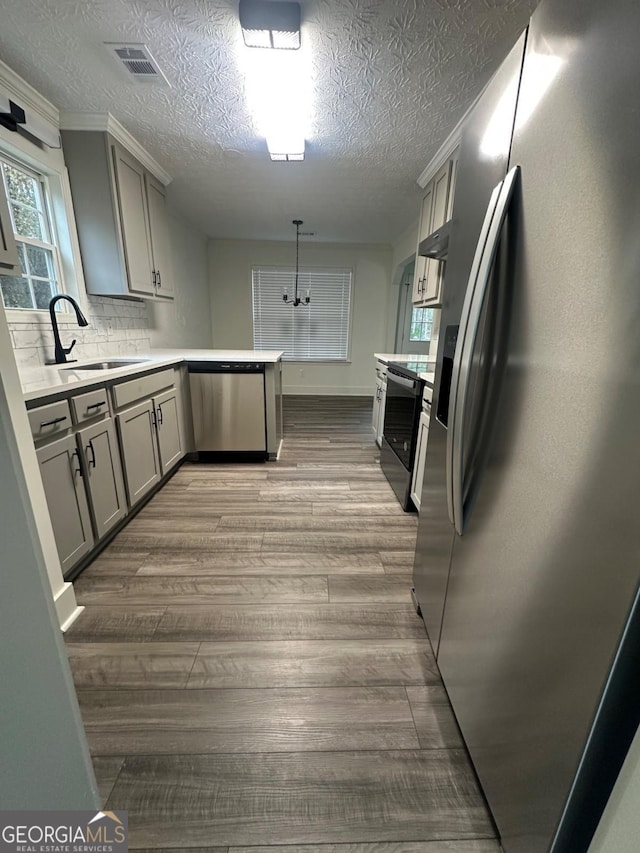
x,y
62,478
95,466
103,474
167,420
139,446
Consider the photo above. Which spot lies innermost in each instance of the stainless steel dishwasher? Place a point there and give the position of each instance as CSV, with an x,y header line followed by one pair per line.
x,y
228,406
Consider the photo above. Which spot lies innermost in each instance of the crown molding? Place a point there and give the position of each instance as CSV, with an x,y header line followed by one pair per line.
x,y
105,122
27,96
445,151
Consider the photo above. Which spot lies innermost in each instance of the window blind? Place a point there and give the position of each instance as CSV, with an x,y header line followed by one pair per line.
x,y
318,331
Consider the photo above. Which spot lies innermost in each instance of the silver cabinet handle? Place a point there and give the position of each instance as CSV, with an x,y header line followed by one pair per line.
x,y
469,326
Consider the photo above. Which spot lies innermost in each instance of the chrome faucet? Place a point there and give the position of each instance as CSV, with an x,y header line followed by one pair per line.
x,y
60,352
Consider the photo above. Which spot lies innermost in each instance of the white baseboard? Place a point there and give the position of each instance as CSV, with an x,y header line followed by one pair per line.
x,y
67,608
330,390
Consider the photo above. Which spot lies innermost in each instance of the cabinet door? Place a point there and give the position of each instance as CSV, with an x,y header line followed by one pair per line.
x,y
383,403
132,204
169,438
431,289
375,414
422,264
62,479
159,228
420,460
9,261
139,445
440,197
455,160
103,475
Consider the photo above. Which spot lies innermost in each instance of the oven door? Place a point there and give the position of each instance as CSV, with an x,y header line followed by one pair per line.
x,y
401,415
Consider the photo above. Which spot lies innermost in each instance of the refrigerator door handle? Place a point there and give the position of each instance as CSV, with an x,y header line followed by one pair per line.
x,y
472,310
462,333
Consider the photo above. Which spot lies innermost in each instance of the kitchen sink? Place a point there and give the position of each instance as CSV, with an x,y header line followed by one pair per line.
x,y
107,365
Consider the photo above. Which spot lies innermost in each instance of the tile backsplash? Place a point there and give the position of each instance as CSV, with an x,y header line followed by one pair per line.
x,y
116,327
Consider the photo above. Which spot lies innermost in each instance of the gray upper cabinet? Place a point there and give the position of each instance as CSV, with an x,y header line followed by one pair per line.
x,y
138,442
103,474
134,219
159,226
169,438
9,261
61,471
120,216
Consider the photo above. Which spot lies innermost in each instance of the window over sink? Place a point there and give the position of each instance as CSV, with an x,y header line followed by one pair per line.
x,y
318,331
29,204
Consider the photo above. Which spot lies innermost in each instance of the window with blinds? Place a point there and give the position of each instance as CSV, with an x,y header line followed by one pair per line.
x,y
318,331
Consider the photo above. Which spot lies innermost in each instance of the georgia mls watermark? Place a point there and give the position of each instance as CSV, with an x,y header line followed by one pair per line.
x,y
63,832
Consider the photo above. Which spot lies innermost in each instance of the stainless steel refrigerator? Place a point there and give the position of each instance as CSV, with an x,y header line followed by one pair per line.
x,y
528,555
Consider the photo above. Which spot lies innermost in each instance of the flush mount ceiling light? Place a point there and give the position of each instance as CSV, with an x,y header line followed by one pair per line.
x,y
277,85
285,296
286,147
270,23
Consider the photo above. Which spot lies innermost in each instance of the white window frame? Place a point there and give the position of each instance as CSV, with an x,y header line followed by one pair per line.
x,y
49,164
302,308
51,244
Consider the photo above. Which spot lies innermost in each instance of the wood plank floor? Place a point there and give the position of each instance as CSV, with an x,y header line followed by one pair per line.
x,y
250,670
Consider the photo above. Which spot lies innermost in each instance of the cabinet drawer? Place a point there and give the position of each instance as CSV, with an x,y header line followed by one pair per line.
x,y
53,419
90,405
143,386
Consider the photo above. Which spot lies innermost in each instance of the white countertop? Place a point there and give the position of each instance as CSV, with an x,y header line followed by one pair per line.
x,y
398,357
261,356
40,382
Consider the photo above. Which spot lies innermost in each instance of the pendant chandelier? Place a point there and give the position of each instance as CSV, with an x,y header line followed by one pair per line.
x,y
285,296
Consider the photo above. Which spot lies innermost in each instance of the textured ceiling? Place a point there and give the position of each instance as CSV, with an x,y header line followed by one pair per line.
x,y
391,78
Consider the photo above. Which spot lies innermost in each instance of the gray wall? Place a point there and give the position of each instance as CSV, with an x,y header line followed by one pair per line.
x,y
372,324
185,322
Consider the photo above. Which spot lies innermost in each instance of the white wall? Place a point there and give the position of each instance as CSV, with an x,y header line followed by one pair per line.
x,y
230,263
185,322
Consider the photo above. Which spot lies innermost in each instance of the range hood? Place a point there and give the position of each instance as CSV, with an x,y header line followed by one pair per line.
x,y
25,122
436,245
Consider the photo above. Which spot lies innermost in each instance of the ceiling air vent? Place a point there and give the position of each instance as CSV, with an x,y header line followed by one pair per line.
x,y
137,62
